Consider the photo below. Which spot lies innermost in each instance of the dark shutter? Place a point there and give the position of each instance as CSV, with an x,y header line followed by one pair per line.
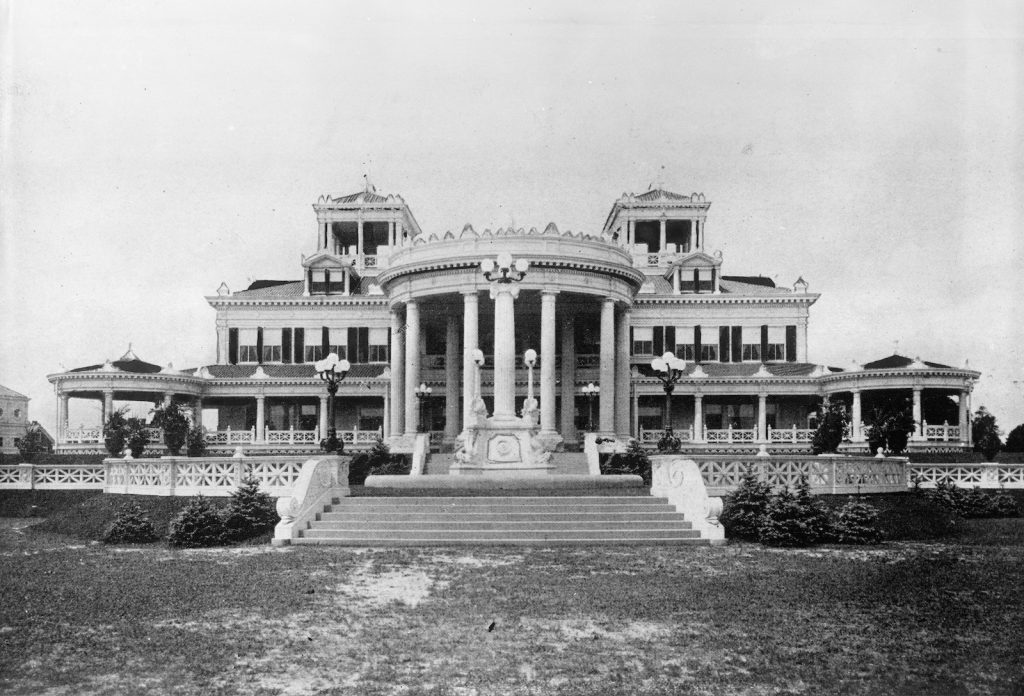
x,y
791,343
300,345
630,340
696,344
659,340
723,343
233,346
363,345
387,353
327,281
670,338
764,342
714,279
353,344
325,341
737,344
259,345
696,280
286,345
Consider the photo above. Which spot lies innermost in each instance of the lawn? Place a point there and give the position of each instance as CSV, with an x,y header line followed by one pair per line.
x,y
937,617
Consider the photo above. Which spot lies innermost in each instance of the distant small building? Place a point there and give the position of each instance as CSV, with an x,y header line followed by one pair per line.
x,y
13,419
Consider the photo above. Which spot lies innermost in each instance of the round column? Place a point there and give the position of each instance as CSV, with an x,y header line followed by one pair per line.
x,y
470,339
606,418
322,417
261,417
547,362
698,418
762,417
504,296
451,376
622,377
569,378
856,433
108,406
397,386
412,366
918,425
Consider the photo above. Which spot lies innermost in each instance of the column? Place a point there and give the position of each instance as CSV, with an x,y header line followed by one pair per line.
x,y
397,387
261,417
568,428
970,421
470,340
606,419
391,233
661,235
762,417
504,295
856,433
108,406
698,418
629,233
222,342
322,416
635,415
547,362
62,416
919,426
412,366
451,378
964,420
387,416
359,238
622,376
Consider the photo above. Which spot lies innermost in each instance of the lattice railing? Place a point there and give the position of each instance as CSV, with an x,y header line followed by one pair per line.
x,y
588,361
213,476
52,476
730,435
652,437
969,475
942,433
293,437
230,437
79,436
825,474
791,435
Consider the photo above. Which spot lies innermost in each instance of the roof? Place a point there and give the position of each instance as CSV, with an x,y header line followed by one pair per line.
x,y
748,369
10,393
301,371
750,286
752,280
260,284
658,193
896,361
360,197
272,289
129,362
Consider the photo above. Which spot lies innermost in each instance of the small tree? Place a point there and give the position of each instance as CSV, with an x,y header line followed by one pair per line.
x,y
198,524
175,423
633,461
889,427
136,436
195,443
985,433
31,443
794,519
743,511
115,432
250,512
131,526
855,524
1015,440
832,420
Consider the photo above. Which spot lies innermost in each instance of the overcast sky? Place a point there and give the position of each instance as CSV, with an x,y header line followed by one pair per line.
x,y
152,150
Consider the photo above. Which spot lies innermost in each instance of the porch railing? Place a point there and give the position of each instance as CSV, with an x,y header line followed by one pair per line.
x,y
293,437
82,436
791,435
730,435
942,433
230,437
653,436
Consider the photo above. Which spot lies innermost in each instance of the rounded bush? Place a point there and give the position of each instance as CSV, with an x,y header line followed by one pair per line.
x,y
198,524
744,508
855,524
130,526
249,513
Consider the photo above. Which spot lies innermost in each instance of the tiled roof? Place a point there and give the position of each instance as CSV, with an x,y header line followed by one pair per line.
x,y
718,370
302,371
10,393
897,361
360,197
137,366
736,287
655,194
282,289
260,284
752,280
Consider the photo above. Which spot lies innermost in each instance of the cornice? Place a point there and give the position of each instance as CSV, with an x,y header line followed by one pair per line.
x,y
312,300
627,273
712,298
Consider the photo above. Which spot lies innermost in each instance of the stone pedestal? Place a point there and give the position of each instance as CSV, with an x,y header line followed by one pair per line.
x,y
502,446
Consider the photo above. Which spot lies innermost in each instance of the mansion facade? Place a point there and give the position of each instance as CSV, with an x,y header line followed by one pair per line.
x,y
410,308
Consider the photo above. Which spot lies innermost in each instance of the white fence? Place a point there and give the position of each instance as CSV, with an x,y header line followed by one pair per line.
x,y
968,475
825,474
942,433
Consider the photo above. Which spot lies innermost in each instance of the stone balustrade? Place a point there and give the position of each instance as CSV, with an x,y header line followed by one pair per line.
x,y
730,435
942,433
968,475
826,474
792,435
652,437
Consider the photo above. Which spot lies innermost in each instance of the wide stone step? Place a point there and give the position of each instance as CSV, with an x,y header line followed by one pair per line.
x,y
509,501
567,532
508,541
430,516
460,525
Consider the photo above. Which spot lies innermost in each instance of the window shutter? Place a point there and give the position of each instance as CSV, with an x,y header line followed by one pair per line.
x,y
714,279
696,280
659,340
327,281
259,345
791,343
300,345
631,340
233,346
352,345
286,345
737,344
325,341
670,338
696,344
723,343
764,343
363,353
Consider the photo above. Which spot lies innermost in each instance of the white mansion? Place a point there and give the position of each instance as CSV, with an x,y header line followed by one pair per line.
x,y
408,307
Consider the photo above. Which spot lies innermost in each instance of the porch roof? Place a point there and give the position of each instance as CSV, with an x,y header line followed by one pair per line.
x,y
301,371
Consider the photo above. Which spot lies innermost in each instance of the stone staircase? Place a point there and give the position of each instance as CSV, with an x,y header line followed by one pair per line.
x,y
565,463
499,520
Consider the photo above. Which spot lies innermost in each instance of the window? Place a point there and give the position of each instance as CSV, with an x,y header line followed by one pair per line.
x,y
751,343
318,280
706,280
271,345
247,346
338,343
313,353
643,340
378,345
312,349
684,347
776,343
709,351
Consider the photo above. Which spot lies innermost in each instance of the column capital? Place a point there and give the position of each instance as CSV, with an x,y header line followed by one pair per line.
x,y
502,288
549,293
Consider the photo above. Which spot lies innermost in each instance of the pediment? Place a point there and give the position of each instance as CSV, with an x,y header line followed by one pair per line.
x,y
698,259
325,260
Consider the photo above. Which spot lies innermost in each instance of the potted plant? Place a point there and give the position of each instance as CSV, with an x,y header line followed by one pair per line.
x,y
175,423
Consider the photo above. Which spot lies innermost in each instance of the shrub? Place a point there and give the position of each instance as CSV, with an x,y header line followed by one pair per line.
x,y
249,513
195,442
669,442
130,526
1005,505
633,461
1015,440
380,462
794,519
175,422
198,524
832,420
136,436
744,508
973,502
855,524
31,443
985,433
115,432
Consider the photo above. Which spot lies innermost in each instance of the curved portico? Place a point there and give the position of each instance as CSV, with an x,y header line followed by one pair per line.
x,y
436,289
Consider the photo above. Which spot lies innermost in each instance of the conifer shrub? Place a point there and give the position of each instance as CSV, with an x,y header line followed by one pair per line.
x,y
832,420
380,462
633,461
794,519
197,525
855,524
130,526
249,513
136,437
744,508
973,502
1005,505
195,441
115,432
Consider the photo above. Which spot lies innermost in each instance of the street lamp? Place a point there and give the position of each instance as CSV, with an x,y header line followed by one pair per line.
x,y
422,393
530,360
332,370
504,269
668,368
590,391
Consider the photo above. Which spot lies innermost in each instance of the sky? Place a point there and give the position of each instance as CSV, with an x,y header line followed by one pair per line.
x,y
150,151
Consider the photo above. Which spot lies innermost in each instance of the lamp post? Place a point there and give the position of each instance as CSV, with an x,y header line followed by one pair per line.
x,y
590,391
332,370
530,360
422,393
504,273
668,369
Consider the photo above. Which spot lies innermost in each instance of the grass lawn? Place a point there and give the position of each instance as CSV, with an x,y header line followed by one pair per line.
x,y
936,617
